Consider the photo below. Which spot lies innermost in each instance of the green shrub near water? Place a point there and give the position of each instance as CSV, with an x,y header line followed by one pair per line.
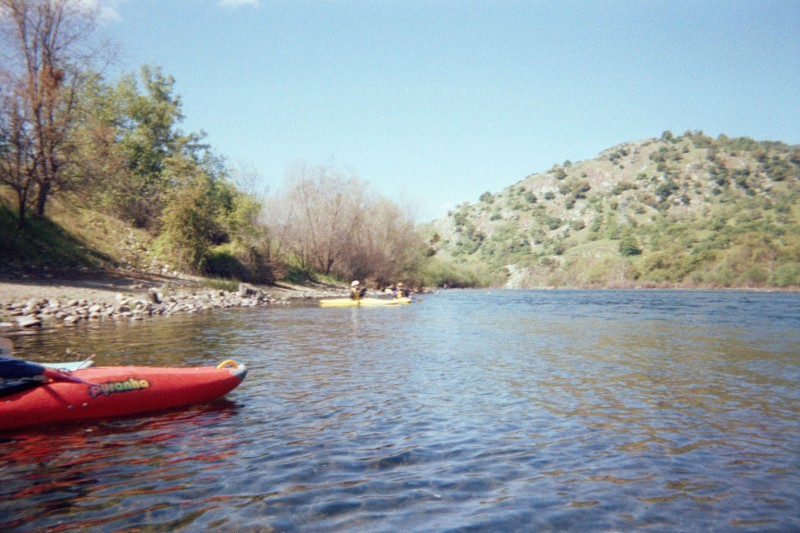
x,y
223,263
786,276
439,273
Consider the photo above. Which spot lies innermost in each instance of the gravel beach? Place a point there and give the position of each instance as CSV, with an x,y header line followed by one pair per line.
x,y
42,301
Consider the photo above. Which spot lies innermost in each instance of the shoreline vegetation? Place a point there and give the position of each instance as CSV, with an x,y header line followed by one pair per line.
x,y
69,299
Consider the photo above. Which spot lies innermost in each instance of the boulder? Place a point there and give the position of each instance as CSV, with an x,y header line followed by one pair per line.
x,y
28,321
245,289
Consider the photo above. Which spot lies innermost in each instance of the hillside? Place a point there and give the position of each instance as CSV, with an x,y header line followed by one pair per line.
x,y
73,239
687,211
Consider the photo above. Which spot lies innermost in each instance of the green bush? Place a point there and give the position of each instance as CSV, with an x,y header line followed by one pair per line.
x,y
439,273
223,264
755,275
187,222
787,275
628,245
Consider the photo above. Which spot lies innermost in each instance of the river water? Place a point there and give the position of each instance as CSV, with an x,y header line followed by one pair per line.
x,y
465,411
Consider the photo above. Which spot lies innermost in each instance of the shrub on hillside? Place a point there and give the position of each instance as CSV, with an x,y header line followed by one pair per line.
x,y
439,273
628,245
237,263
787,275
223,264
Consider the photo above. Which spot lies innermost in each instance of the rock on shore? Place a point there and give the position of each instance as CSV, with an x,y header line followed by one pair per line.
x,y
37,312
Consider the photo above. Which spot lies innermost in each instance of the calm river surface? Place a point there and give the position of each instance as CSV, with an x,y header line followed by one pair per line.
x,y
467,410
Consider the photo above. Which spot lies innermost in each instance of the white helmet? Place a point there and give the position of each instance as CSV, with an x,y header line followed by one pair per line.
x,y
354,284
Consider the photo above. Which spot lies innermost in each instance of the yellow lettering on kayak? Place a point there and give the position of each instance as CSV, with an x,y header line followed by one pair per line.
x,y
110,387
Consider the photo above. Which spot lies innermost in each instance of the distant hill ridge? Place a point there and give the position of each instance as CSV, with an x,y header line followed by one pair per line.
x,y
685,211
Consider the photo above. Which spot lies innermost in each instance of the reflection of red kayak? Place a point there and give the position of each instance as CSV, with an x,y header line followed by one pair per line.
x,y
116,391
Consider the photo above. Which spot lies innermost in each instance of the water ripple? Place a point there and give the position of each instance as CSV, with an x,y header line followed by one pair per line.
x,y
470,411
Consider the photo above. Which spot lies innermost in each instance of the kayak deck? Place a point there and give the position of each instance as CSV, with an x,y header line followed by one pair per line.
x,y
69,365
107,392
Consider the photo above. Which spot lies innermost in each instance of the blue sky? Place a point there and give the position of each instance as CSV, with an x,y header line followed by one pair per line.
x,y
434,102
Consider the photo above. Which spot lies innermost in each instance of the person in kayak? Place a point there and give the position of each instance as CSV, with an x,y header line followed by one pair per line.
x,y
12,368
17,375
14,372
400,291
357,291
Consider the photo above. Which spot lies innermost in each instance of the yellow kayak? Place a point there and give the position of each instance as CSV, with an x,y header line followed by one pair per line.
x,y
363,302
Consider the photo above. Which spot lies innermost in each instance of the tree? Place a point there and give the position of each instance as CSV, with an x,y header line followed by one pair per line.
x,y
386,247
188,222
209,225
45,45
330,223
317,216
16,154
133,124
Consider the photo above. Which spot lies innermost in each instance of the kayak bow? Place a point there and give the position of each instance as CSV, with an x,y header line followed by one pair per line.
x,y
106,392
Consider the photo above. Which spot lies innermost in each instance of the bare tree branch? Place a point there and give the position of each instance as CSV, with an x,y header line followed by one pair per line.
x,y
45,46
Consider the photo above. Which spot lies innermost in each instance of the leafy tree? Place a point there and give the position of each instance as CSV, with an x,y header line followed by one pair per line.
x,y
135,122
188,223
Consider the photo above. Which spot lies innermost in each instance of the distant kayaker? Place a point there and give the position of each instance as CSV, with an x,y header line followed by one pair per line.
x,y
401,292
356,291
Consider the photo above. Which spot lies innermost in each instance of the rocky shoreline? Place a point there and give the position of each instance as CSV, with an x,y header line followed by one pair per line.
x,y
45,305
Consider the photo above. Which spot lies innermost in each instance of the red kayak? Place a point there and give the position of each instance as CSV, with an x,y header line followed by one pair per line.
x,y
106,392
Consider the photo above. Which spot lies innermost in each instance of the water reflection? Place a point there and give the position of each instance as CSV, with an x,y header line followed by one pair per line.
x,y
552,410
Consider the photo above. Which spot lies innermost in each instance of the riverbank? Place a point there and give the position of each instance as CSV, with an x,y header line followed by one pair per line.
x,y
43,300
